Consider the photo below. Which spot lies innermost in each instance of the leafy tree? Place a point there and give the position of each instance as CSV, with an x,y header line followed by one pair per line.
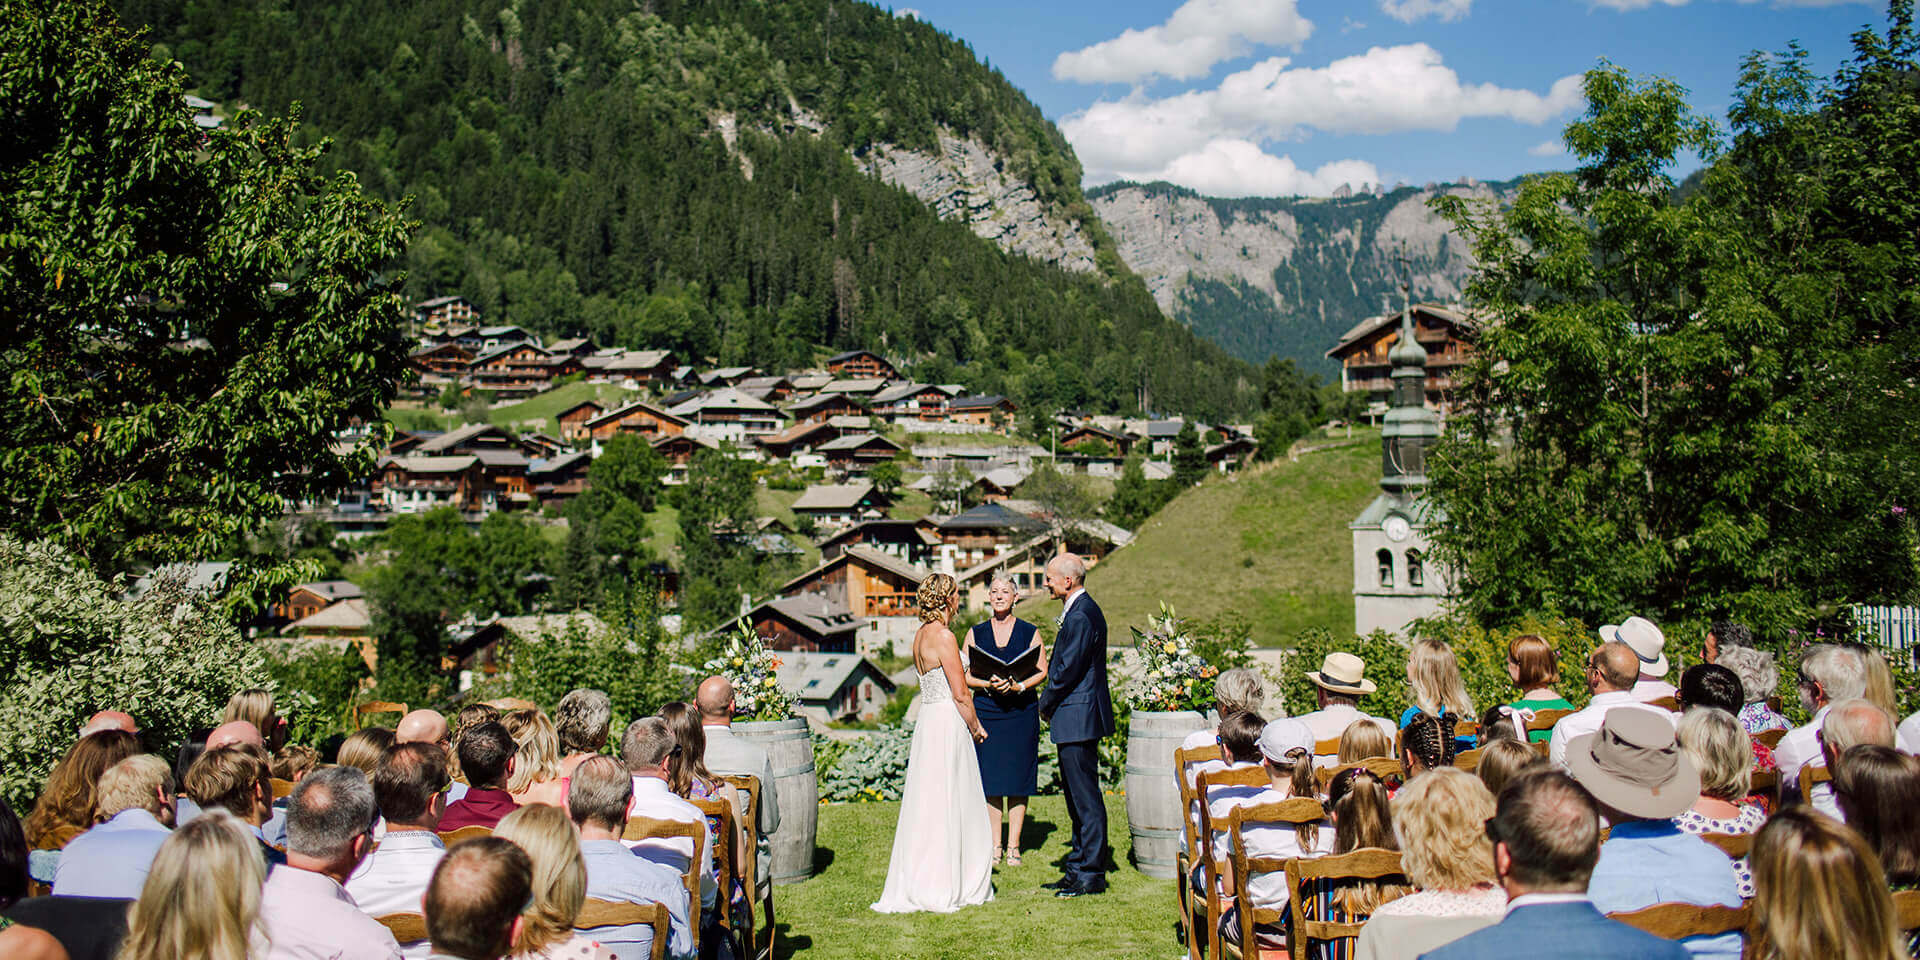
x,y
1092,447
195,313
1189,457
886,477
629,468
1066,499
629,656
951,483
1135,498
717,499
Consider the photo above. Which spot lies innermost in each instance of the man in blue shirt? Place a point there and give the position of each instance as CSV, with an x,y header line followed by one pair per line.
x,y
1642,780
597,799
112,859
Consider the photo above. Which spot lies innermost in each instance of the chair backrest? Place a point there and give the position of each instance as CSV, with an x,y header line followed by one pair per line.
x,y
405,927
1466,728
1810,775
1370,863
510,704
282,788
1545,719
1540,747
724,854
1668,704
364,710
598,914
1382,767
1468,760
1231,777
1189,792
749,787
1765,781
1736,845
1676,921
1294,810
1906,909
451,837
653,828
1326,748
1771,738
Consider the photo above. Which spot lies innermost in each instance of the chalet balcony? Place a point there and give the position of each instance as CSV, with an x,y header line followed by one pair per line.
x,y
892,605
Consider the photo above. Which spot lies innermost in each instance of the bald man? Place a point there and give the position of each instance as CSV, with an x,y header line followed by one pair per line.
x,y
1849,724
429,726
274,831
235,731
727,753
109,720
1079,710
1612,670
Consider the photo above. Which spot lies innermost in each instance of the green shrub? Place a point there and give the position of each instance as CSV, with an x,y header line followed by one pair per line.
x,y
871,768
316,688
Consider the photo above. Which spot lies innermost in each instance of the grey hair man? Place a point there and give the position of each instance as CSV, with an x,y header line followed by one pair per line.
x,y
646,747
597,798
135,805
1849,724
1079,709
728,753
1829,673
305,905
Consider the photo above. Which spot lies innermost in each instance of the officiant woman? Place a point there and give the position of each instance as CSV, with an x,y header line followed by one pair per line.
x,y
1010,710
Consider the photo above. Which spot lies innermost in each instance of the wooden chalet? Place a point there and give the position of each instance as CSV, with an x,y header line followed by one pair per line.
x,y
836,505
556,480
638,417
652,367
416,484
858,452
574,347
801,437
1445,332
867,583
307,599
909,402
441,359
834,686
770,389
913,541
981,410
728,414
825,405
679,449
518,369
726,376
540,446
1089,433
573,420
505,476
863,364
809,622
342,625
446,311
1231,453
983,533
468,439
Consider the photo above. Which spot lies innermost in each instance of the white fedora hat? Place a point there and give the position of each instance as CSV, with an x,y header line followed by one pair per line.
x,y
1342,673
1646,640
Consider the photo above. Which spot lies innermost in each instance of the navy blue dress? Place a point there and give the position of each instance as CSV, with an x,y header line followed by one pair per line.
x,y
1010,756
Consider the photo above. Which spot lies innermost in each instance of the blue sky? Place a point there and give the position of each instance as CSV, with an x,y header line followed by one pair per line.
x,y
1272,97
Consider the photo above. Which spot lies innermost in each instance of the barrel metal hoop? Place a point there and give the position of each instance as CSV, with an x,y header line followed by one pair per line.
x,y
783,772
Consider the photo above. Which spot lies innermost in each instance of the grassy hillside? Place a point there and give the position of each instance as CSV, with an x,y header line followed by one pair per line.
x,y
1271,544
534,413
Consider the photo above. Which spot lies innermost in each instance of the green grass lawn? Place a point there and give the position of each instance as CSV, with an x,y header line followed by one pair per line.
x,y
1270,543
827,917
534,413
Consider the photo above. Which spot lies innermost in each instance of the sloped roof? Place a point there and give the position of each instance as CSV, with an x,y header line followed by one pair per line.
x,y
1370,325
988,516
901,391
569,344
453,464
912,528
1006,478
422,305
454,438
857,385
818,676
638,405
332,589
850,354
834,496
979,402
814,612
556,464
638,360
796,433
854,441
764,383
349,614
810,381
822,399
725,398
884,561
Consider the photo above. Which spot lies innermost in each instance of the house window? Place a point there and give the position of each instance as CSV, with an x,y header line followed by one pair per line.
x,y
1386,567
1416,569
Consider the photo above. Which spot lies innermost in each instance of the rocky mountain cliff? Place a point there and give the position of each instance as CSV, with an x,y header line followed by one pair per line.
x,y
1284,276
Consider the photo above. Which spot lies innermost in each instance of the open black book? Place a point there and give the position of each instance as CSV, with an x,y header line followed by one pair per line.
x,y
983,664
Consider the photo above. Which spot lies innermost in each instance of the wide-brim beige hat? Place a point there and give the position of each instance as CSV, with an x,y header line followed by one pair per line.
x,y
1342,673
1645,640
1634,765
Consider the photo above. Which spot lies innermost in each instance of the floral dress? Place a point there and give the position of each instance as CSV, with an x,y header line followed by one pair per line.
x,y
1756,717
1749,820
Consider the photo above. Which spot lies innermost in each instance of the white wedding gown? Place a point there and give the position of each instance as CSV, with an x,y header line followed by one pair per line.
x,y
942,846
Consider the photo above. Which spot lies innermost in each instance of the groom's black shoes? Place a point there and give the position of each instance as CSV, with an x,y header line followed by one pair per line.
x,y
1060,884
1084,888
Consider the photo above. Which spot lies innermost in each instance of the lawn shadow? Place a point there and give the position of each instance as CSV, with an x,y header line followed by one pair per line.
x,y
786,946
1034,833
822,859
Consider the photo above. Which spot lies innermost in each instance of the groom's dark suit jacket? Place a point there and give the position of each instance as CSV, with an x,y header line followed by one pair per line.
x,y
1076,699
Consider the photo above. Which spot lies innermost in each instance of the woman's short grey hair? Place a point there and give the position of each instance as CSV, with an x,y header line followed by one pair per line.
x,y
581,721
1720,750
1000,578
1759,678
1239,691
327,810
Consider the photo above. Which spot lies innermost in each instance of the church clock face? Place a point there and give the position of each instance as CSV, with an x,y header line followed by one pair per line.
x,y
1397,528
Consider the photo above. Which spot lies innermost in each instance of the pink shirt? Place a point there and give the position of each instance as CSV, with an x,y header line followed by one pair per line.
x,y
307,916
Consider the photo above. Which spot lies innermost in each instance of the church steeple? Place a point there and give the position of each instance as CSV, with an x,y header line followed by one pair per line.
x,y
1410,429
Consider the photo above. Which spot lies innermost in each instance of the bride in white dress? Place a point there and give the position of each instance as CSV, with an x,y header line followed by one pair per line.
x,y
942,846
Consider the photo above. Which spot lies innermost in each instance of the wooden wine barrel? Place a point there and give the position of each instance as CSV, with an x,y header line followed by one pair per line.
x,y
1153,795
790,746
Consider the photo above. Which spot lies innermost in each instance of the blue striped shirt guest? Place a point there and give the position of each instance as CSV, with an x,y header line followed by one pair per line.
x,y
597,799
112,859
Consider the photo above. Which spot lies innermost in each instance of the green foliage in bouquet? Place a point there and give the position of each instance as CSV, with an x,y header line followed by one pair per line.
x,y
750,666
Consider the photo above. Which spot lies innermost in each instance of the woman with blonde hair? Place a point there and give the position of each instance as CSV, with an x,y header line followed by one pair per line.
x,y
256,707
536,762
1502,760
559,885
1433,676
364,748
1363,739
201,898
1534,669
1439,820
942,856
1722,753
1818,891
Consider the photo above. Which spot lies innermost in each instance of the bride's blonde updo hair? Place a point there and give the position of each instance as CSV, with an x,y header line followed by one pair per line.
x,y
935,593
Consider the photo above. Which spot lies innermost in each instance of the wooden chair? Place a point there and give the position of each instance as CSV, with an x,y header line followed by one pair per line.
x,y
451,837
282,788
362,711
1294,810
405,927
1545,719
1736,845
1212,867
650,828
1467,728
1468,760
1906,909
1326,748
1809,776
726,861
1771,738
1676,921
599,914
1183,894
1367,864
1541,747
749,787
1668,704
1382,767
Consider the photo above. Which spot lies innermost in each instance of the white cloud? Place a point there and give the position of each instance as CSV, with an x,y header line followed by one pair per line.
x,y
1547,148
1198,35
1407,11
1239,168
910,12
1385,90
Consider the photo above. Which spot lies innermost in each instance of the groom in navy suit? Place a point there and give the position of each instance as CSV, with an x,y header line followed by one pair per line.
x,y
1079,712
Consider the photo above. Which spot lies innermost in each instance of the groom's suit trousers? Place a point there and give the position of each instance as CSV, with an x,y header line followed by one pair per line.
x,y
1080,776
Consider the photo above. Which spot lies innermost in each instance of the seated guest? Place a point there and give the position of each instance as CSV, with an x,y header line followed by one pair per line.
x,y
184,809
1240,743
1364,740
1433,677
473,902
235,731
65,808
305,912
135,807
110,720
1716,686
13,858
363,749
536,760
1546,839
647,747
1880,795
559,885
202,897
1286,750
1358,806
598,794
294,761
1505,722
1849,724
1829,674
1426,744
1649,647
470,716
1341,682
424,726
1718,748
688,776
1238,690
581,721
1641,780
406,787
1818,892
239,780
1722,636
256,707
1758,680
1502,761
486,755
731,754
1534,669
1612,670
1438,821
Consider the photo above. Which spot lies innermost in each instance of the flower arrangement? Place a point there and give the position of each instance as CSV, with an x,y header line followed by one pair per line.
x,y
1173,676
747,663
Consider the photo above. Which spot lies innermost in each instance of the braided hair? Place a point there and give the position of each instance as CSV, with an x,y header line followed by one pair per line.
x,y
1429,739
